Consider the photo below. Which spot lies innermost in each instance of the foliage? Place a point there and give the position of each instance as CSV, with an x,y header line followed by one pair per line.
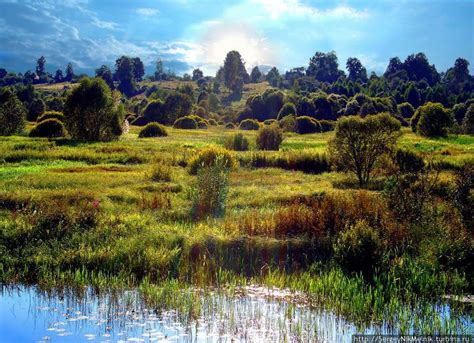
x,y
160,172
50,128
358,143
288,123
358,247
187,122
287,109
92,112
51,115
237,142
153,130
209,156
468,121
408,161
36,109
434,120
249,124
307,124
406,110
12,113
269,137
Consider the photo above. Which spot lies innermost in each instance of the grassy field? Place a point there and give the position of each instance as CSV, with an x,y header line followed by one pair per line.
x,y
89,211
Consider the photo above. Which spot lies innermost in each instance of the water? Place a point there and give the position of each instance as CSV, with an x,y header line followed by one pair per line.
x,y
257,315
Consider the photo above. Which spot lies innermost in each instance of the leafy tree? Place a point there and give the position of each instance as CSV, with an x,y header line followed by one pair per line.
x,y
233,69
197,74
124,71
359,143
418,68
273,77
37,108
176,105
12,113
412,96
69,73
40,66
323,66
468,121
461,70
356,70
159,71
105,74
154,112
255,75
58,76
92,112
394,67
434,120
138,68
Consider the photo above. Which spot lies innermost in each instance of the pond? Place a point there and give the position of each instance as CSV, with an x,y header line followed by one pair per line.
x,y
256,314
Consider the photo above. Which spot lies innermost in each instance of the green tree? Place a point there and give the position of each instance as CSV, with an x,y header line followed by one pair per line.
x,y
58,76
105,74
40,66
36,108
412,96
233,69
12,113
159,70
138,69
92,112
124,71
69,73
356,70
197,74
468,121
273,77
323,66
359,143
255,75
434,120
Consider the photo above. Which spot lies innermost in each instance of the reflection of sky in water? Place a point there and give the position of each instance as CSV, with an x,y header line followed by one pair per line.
x,y
27,316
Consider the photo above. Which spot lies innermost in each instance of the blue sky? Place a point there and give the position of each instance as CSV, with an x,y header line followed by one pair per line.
x,y
187,34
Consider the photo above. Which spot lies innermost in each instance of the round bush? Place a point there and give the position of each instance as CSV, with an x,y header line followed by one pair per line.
x,y
468,121
212,122
434,120
269,137
208,156
249,124
307,124
51,115
288,108
288,123
36,109
359,247
153,130
50,128
154,111
237,142
406,110
140,121
229,126
270,121
188,123
12,113
327,125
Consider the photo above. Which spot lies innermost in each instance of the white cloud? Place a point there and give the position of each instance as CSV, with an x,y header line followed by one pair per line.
x,y
104,24
147,12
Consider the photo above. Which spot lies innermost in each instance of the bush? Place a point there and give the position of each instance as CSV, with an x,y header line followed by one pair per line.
x,y
51,115
210,193
12,113
229,126
154,112
288,123
434,120
288,109
358,247
237,142
50,128
408,161
140,121
249,124
406,110
468,121
327,125
269,121
92,112
160,172
212,122
153,130
269,137
187,122
209,156
37,108
307,124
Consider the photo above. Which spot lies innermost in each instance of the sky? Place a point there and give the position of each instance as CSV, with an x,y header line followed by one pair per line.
x,y
188,34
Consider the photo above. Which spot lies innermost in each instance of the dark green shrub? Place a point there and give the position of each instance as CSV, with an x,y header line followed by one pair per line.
x,y
50,128
140,121
153,130
288,109
154,112
237,142
92,112
288,123
327,125
406,110
408,161
208,156
269,121
307,124
160,172
358,247
51,115
37,108
468,121
12,113
249,124
229,126
269,137
212,122
188,123
433,120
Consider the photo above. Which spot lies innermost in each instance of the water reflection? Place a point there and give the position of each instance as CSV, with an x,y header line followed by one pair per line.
x,y
257,315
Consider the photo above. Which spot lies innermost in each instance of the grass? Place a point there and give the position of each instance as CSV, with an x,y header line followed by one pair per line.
x,y
100,213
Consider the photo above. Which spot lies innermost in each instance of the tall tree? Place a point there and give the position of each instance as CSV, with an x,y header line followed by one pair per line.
x,y
197,74
255,75
124,73
40,66
12,113
233,69
356,70
138,69
159,70
69,72
105,73
394,66
273,77
58,76
323,66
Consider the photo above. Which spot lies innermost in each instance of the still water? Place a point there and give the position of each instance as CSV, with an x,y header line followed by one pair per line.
x,y
257,315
